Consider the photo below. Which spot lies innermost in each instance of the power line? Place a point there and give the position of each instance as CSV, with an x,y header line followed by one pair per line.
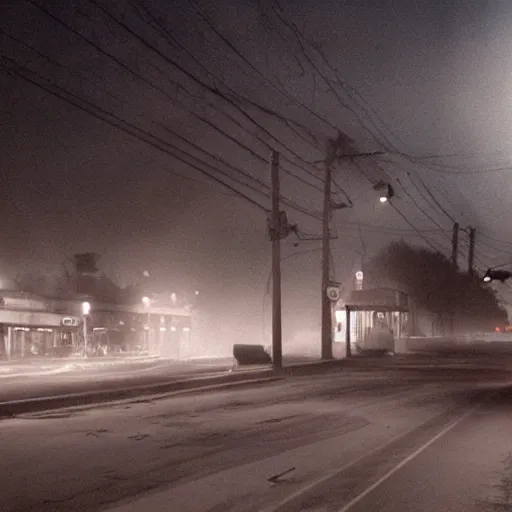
x,y
286,201
495,239
198,81
153,143
118,119
424,212
390,228
431,195
214,91
429,243
244,59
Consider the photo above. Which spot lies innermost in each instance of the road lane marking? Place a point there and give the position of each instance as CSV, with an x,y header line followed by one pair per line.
x,y
332,474
412,456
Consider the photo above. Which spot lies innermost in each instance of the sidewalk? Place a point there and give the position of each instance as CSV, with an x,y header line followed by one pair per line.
x,y
45,366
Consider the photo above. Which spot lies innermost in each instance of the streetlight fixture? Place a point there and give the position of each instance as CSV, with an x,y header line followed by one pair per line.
x,y
86,310
496,275
385,191
147,304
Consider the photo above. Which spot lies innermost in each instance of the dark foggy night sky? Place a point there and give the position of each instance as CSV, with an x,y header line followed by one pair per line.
x,y
435,76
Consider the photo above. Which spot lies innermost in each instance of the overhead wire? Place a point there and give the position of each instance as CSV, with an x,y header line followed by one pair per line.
x,y
291,204
214,91
495,239
198,81
142,39
244,59
431,195
426,214
302,41
285,200
137,133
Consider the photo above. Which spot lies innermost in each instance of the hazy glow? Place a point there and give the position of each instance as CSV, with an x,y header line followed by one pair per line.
x,y
340,316
383,199
86,308
146,301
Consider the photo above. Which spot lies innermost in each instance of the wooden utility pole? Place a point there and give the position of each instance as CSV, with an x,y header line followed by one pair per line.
x,y
455,251
275,233
326,256
471,254
455,245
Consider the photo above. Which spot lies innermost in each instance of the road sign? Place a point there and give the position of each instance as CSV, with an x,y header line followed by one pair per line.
x,y
70,321
333,293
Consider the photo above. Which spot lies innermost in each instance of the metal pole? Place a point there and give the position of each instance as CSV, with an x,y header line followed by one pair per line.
x,y
471,255
149,331
348,349
455,251
455,244
85,335
277,352
326,252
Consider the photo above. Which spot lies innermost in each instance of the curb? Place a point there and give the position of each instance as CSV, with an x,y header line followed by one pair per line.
x,y
31,405
95,398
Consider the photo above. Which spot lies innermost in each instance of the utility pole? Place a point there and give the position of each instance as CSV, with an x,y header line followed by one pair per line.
x,y
344,145
275,235
471,255
326,254
455,245
455,251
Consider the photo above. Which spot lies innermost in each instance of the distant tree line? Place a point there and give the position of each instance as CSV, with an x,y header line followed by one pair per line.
x,y
434,285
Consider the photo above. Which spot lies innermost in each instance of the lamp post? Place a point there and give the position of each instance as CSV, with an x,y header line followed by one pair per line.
x,y
385,191
147,304
86,309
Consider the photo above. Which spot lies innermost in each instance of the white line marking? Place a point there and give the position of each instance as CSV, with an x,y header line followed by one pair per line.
x,y
408,459
332,474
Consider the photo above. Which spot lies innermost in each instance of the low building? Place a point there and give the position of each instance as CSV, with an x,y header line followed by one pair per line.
x,y
32,325
369,309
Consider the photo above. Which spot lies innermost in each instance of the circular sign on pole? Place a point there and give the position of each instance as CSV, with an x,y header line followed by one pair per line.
x,y
359,275
333,293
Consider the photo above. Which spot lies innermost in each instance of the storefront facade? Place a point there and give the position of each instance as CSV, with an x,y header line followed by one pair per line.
x,y
36,326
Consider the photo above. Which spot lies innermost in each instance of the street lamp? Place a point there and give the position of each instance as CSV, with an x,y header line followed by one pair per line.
x,y
496,275
147,304
86,310
385,191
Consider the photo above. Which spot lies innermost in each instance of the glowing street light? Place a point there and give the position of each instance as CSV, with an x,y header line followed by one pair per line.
x,y
496,275
146,301
385,191
86,310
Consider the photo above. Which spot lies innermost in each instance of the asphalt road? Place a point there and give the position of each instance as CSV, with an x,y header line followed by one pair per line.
x,y
463,466
95,375
401,440
63,381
